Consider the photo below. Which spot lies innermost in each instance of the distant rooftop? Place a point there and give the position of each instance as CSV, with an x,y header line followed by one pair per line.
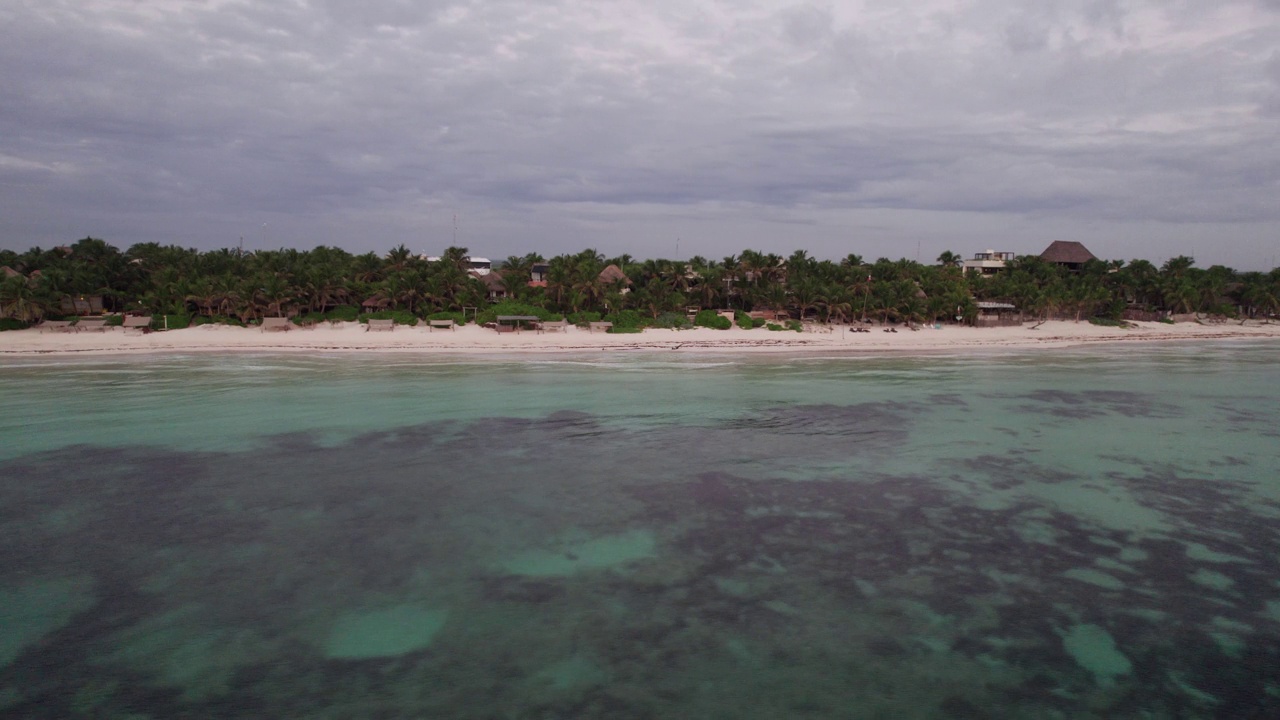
x,y
1067,252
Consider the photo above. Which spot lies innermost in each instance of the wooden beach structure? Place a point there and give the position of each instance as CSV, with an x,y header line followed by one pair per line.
x,y
274,324
996,314
514,323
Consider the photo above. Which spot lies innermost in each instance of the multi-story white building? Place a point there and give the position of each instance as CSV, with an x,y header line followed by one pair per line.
x,y
987,263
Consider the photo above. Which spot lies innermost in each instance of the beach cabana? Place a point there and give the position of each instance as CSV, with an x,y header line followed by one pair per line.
x,y
996,313
81,304
56,326
374,304
137,322
97,324
514,323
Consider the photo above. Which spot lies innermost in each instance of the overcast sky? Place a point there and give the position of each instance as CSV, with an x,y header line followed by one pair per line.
x,y
662,128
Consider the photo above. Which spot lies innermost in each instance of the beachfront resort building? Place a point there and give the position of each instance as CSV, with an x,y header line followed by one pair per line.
x,y
478,265
1069,254
986,263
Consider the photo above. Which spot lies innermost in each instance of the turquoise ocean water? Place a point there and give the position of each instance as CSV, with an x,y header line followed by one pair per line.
x,y
1067,534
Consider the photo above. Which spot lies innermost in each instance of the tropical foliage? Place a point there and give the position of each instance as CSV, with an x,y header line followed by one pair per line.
x,y
329,283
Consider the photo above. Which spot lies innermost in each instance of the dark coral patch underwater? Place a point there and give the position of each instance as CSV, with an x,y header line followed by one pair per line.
x,y
591,568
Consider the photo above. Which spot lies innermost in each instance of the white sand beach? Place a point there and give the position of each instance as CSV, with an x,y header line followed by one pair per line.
x,y
352,337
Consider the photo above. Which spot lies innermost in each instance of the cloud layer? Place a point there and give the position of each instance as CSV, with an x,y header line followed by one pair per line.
x,y
1142,128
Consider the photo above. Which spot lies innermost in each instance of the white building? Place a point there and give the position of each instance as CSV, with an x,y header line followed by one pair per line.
x,y
477,265
987,263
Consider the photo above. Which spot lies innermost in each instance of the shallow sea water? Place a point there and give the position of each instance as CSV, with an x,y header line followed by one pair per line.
x,y
1083,533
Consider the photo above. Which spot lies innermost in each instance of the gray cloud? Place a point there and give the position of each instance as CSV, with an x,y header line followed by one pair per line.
x,y
551,125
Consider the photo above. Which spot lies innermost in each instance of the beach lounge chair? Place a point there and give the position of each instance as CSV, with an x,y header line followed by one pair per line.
x,y
56,326
91,325
442,324
604,326
380,325
273,324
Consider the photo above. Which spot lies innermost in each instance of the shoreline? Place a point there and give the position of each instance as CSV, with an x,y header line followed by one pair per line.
x,y
472,340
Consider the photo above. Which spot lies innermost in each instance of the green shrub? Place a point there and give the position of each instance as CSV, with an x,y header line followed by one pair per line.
x,y
795,325
343,313
743,320
402,317
12,324
456,317
511,307
172,322
712,319
758,322
627,319
624,329
582,318
774,326
1107,322
114,321
671,321
1166,321
199,320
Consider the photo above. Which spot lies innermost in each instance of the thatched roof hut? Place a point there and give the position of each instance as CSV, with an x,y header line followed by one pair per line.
x,y
1070,254
613,274
495,287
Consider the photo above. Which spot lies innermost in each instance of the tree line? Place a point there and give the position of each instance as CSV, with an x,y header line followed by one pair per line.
x,y
231,285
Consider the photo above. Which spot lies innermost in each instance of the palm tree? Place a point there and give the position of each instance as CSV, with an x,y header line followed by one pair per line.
x,y
21,300
807,295
949,259
398,258
274,290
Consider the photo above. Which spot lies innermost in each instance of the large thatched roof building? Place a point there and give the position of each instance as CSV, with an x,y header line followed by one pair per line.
x,y
1071,255
613,274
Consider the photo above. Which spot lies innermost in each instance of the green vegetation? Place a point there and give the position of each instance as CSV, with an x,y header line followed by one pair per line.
x,y
177,321
343,313
630,320
582,319
214,320
1108,322
511,307
328,283
712,319
12,324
